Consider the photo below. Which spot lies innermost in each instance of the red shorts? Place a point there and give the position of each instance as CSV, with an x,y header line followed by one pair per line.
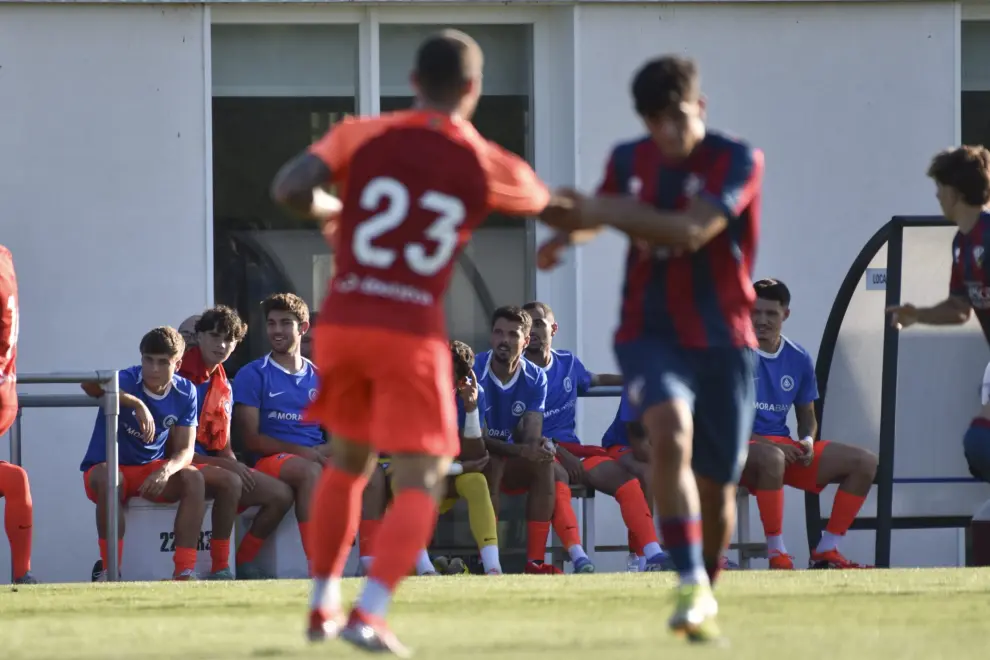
x,y
272,465
131,478
391,390
7,416
591,456
798,475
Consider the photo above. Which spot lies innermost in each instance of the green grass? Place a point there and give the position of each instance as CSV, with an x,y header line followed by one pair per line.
x,y
868,615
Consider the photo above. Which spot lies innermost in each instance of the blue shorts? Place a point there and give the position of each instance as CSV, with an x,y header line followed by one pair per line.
x,y
976,446
717,384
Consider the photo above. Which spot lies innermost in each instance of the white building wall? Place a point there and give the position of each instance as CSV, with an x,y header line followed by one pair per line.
x,y
848,101
103,202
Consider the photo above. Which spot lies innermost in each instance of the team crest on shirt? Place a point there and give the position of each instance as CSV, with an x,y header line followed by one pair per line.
x,y
786,383
978,256
518,408
693,185
568,386
169,421
312,394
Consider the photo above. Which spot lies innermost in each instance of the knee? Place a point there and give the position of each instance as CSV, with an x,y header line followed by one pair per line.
x,y
312,475
191,482
14,480
282,496
866,463
767,462
229,486
472,486
669,429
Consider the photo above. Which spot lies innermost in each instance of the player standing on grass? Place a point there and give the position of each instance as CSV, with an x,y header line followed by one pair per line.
x,y
414,185
962,180
689,199
18,518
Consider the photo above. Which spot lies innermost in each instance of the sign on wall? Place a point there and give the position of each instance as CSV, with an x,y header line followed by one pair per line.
x,y
876,279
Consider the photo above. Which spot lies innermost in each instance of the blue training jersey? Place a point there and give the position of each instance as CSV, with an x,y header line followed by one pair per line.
x,y
701,299
281,398
506,403
783,379
482,405
176,407
566,378
616,434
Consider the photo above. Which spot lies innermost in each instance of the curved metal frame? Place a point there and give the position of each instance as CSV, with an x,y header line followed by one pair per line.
x,y
891,234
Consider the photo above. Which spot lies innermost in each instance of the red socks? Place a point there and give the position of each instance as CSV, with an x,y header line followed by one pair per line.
x,y
336,512
845,508
184,559
105,554
636,515
249,548
366,536
18,515
536,540
219,554
405,530
771,506
635,546
564,521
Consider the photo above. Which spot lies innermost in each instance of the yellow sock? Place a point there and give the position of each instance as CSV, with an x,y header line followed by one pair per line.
x,y
473,488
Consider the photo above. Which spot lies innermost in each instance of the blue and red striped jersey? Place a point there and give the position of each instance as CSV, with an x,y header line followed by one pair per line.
x,y
699,300
969,278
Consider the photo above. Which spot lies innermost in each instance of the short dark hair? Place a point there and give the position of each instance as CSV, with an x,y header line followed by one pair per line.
x,y
663,83
223,320
463,357
966,169
775,290
163,340
514,314
542,306
286,302
445,63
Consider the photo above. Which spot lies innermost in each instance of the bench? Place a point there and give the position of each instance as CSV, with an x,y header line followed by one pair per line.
x,y
149,543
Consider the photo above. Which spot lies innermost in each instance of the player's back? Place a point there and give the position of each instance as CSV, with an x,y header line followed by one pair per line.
x,y
701,299
9,325
415,185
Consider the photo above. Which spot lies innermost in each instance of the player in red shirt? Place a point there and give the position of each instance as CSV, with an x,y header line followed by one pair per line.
x,y
413,185
14,487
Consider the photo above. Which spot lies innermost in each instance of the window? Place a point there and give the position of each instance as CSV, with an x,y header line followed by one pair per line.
x,y
976,82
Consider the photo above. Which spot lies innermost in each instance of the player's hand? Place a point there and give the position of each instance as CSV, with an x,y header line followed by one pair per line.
x,y
467,389
903,316
537,453
244,472
146,421
808,447
312,454
572,464
568,210
550,254
155,484
792,453
476,465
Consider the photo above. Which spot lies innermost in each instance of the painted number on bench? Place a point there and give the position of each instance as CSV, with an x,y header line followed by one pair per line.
x,y
168,541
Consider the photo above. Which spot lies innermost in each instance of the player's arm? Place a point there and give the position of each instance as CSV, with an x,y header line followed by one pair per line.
x,y
181,448
807,423
298,185
529,431
954,310
93,389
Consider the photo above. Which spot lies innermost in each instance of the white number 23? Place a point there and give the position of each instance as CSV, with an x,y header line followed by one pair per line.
x,y
443,230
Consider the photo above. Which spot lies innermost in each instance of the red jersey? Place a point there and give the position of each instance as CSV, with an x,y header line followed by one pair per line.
x,y
414,186
9,323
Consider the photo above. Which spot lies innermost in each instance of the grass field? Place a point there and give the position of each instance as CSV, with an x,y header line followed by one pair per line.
x,y
873,615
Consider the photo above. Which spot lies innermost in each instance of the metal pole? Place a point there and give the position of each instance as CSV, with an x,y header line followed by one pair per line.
x,y
70,378
111,409
15,440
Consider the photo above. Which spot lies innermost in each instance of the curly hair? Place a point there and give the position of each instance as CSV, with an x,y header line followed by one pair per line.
x,y
223,320
967,170
286,302
463,357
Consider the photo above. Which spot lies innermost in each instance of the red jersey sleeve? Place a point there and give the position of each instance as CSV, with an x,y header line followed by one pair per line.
x,y
344,138
513,187
735,179
957,285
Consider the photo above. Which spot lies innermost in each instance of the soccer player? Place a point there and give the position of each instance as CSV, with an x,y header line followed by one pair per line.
x,y
515,396
18,518
270,396
785,377
962,181
566,378
156,432
415,184
232,485
689,199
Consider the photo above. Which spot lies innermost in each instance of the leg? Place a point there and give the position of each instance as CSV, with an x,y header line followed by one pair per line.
x,y
301,475
494,473
481,517
373,504
537,480
225,488
764,476
565,522
188,488
95,481
641,471
274,499
853,469
607,476
18,518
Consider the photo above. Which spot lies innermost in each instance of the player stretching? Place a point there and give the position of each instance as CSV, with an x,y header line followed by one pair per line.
x,y
415,185
515,395
158,412
590,465
689,200
14,487
962,180
232,485
785,377
271,394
